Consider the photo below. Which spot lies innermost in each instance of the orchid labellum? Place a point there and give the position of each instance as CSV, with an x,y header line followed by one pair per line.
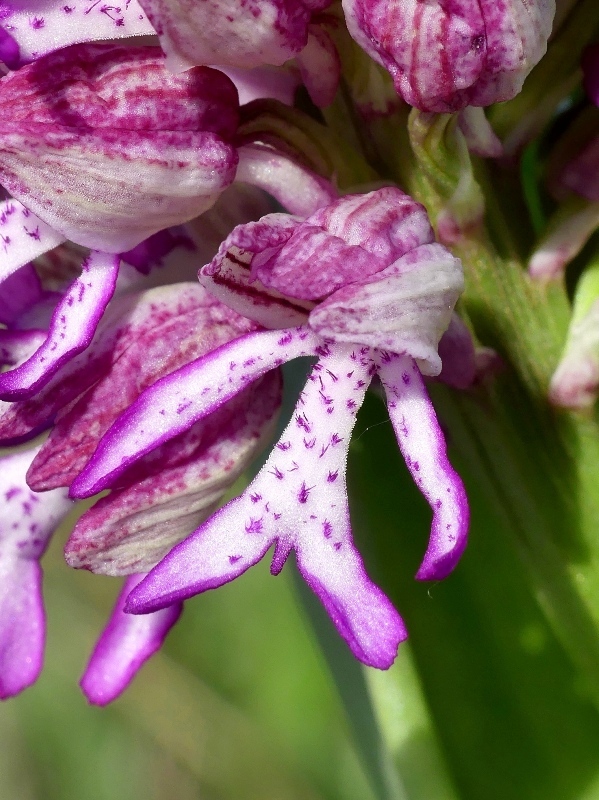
x,y
374,293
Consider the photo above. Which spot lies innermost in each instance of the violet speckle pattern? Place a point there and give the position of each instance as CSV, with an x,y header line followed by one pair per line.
x,y
71,329
41,26
301,509
23,237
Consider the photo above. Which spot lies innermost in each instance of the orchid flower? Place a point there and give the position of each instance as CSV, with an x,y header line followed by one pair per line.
x,y
444,55
106,147
389,291
28,522
143,337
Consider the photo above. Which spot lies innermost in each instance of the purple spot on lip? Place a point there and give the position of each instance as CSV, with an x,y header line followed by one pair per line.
x,y
332,476
284,445
12,493
304,493
405,378
234,559
254,526
337,545
327,529
255,497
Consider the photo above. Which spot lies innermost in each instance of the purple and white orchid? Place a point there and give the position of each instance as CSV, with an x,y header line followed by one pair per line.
x,y
102,145
373,294
446,54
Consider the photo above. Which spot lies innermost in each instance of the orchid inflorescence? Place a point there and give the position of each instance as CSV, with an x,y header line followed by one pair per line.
x,y
127,165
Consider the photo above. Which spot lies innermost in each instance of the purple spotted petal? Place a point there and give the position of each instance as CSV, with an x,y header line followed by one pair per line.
x,y
423,447
169,492
42,26
233,33
182,398
126,643
343,242
71,329
128,319
28,520
298,189
298,502
187,326
404,309
23,237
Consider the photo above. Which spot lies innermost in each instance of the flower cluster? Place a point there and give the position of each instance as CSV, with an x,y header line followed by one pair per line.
x,y
128,166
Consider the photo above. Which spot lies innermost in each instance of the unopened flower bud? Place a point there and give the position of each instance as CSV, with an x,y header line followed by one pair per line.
x,y
445,55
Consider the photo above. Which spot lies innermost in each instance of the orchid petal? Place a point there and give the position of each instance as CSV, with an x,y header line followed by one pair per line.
x,y
458,355
71,330
28,521
568,232
18,346
23,237
234,34
298,189
422,444
298,501
228,277
127,319
343,242
180,399
444,56
173,336
480,136
42,26
265,82
404,309
169,492
10,53
319,66
109,147
126,643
